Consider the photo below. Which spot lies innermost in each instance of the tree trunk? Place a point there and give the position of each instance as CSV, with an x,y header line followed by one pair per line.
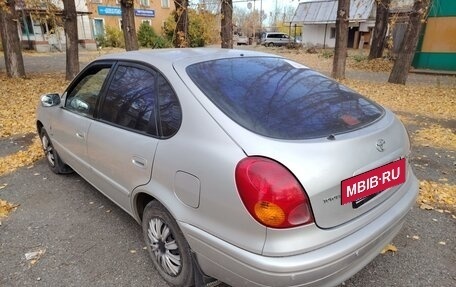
x,y
181,17
227,24
340,51
12,48
381,25
128,25
407,50
71,36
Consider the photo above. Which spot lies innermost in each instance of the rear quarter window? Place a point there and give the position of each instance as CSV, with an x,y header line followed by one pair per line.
x,y
274,98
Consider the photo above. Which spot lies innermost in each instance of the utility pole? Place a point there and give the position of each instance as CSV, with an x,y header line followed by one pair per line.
x,y
261,16
253,25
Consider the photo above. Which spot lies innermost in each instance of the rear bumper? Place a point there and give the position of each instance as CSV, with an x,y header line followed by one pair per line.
x,y
347,256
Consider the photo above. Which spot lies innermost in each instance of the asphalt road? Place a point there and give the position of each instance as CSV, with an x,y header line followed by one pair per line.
x,y
54,62
88,241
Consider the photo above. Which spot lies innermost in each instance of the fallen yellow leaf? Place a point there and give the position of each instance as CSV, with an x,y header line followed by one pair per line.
x,y
438,194
389,247
6,208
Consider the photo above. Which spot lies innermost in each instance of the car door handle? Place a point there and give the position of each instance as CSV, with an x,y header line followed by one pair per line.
x,y
139,161
80,135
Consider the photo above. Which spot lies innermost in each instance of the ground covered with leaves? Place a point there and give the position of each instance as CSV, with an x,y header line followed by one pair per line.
x,y
428,111
18,99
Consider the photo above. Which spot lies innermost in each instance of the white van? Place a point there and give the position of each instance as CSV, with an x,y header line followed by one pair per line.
x,y
271,39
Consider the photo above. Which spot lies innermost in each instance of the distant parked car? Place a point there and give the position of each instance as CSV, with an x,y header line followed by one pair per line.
x,y
242,40
271,39
241,166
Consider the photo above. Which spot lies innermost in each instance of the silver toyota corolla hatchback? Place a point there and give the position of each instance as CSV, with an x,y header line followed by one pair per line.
x,y
241,166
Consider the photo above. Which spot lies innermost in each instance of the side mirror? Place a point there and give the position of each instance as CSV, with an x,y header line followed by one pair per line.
x,y
50,100
80,105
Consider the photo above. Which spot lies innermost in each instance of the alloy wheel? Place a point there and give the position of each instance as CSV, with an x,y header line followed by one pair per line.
x,y
48,150
164,246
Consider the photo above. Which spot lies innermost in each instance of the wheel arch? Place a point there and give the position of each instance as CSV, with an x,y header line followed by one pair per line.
x,y
141,200
39,126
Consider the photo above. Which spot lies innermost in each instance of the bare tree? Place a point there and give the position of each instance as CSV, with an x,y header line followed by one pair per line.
x,y
181,17
227,24
71,35
340,50
245,21
128,24
12,49
408,46
381,25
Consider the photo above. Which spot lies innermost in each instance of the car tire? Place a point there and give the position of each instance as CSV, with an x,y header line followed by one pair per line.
x,y
168,249
271,45
52,157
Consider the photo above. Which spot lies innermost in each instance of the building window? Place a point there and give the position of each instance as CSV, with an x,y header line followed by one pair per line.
x,y
28,27
332,33
165,3
47,27
98,27
144,3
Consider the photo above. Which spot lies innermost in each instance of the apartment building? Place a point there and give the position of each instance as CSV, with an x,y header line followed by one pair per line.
x,y
104,13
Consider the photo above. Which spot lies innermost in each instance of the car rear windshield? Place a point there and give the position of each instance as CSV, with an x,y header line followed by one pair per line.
x,y
280,99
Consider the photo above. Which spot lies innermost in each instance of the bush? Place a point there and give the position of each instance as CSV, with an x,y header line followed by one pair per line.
x,y
359,58
327,53
160,42
114,37
200,31
101,41
196,30
146,35
149,39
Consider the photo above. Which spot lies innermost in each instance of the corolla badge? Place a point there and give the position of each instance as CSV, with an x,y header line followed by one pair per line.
x,y
380,145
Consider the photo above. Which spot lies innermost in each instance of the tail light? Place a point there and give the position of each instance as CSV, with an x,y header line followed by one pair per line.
x,y
271,194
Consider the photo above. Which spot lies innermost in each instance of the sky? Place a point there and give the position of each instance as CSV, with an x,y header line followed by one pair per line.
x,y
267,5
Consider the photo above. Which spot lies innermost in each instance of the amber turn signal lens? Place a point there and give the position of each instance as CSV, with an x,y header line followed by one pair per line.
x,y
269,213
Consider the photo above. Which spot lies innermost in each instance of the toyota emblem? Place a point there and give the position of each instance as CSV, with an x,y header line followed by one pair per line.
x,y
380,145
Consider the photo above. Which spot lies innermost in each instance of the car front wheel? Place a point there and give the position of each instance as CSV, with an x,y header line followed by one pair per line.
x,y
52,157
170,252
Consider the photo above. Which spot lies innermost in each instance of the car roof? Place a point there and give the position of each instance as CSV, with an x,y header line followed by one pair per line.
x,y
181,55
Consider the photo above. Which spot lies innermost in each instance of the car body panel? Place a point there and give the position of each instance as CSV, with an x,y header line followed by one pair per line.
x,y
328,265
68,132
120,159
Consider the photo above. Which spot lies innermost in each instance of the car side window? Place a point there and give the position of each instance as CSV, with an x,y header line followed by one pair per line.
x,y
169,107
83,97
130,100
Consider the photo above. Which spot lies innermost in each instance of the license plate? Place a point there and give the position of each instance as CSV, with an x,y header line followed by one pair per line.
x,y
373,181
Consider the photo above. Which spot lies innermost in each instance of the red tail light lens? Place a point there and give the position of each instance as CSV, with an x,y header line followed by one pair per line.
x,y
271,193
